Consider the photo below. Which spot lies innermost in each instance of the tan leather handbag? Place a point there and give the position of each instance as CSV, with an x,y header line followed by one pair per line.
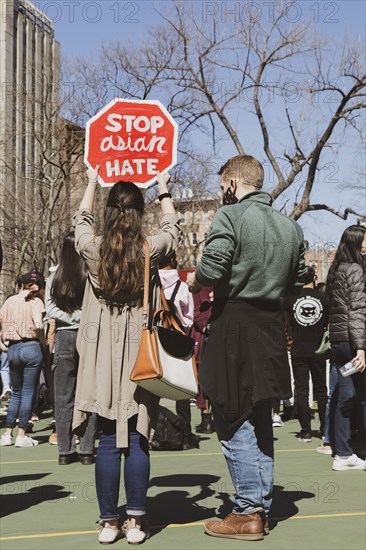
x,y
165,364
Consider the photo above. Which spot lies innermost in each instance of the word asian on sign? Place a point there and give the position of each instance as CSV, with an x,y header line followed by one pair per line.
x,y
131,141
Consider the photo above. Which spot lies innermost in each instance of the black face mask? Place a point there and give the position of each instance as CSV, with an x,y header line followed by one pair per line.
x,y
229,197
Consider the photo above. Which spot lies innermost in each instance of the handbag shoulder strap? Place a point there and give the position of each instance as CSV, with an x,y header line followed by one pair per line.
x,y
145,310
175,292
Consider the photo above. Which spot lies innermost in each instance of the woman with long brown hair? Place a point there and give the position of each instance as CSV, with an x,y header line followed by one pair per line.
x,y
108,341
64,297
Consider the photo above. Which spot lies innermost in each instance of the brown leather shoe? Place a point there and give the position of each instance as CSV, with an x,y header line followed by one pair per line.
x,y
234,526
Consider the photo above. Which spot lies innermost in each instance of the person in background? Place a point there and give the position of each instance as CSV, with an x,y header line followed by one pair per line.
x,y
276,418
321,286
203,300
181,305
37,291
64,297
177,293
347,333
108,343
4,372
326,448
21,319
306,318
51,334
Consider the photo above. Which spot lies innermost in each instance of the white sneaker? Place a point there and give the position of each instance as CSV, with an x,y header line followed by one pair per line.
x,y
352,462
6,440
25,442
277,421
305,437
135,535
108,535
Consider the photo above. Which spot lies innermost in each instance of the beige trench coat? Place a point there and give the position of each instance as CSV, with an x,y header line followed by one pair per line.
x,y
108,341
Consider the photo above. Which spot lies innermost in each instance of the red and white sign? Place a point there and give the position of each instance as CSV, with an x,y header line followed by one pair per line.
x,y
131,141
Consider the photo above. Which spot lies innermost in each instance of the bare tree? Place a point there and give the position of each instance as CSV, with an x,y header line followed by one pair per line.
x,y
305,95
42,175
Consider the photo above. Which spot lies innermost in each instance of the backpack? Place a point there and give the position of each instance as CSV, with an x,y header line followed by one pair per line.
x,y
168,435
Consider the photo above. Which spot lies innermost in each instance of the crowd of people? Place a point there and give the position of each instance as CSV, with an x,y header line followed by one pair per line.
x,y
253,308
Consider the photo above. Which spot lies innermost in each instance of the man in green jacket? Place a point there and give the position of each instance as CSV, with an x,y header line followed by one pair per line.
x,y
253,257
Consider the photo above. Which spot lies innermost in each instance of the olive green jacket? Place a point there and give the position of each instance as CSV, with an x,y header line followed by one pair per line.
x,y
252,252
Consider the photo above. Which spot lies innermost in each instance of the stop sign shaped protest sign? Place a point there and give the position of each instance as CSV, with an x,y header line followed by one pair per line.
x,y
131,141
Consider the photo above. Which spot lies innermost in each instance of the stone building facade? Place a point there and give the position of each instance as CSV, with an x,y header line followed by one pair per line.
x,y
29,95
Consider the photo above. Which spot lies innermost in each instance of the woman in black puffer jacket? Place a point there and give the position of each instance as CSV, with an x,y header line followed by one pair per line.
x,y
346,286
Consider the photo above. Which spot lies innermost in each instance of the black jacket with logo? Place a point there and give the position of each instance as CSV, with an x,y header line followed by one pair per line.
x,y
308,315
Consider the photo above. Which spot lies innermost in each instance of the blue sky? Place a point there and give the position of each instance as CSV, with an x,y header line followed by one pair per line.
x,y
83,25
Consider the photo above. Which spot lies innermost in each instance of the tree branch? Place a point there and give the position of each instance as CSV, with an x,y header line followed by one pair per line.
x,y
344,215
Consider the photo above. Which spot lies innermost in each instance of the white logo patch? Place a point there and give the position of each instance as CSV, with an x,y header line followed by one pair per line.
x,y
307,311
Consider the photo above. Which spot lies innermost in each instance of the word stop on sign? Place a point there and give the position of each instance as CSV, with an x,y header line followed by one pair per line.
x,y
131,141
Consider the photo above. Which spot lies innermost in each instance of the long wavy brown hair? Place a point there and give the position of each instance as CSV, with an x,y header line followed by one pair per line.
x,y
69,281
121,263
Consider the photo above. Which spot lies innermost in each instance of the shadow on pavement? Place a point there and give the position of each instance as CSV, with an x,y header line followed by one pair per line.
x,y
24,491
283,506
180,506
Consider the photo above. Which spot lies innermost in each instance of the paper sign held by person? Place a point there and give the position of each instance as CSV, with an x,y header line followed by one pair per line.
x,y
131,141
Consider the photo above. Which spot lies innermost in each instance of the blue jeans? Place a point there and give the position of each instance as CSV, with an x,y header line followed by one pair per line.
x,y
108,470
330,408
4,370
25,363
249,455
350,390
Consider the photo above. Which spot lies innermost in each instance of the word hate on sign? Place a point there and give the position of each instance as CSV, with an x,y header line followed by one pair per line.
x,y
131,141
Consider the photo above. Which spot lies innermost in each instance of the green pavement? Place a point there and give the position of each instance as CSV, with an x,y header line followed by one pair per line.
x,y
44,505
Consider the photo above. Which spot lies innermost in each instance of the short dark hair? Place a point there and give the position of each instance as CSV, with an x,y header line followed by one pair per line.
x,y
169,260
309,275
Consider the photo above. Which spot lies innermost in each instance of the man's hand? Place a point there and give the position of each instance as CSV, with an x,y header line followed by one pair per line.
x,y
193,286
92,174
359,360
